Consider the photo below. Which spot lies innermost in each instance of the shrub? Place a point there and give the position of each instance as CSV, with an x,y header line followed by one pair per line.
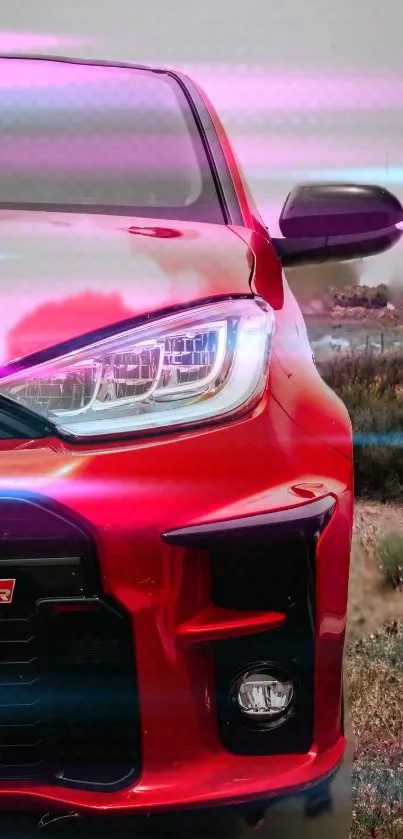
x,y
390,552
371,387
361,295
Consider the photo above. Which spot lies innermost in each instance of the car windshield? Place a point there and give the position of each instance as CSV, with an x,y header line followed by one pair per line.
x,y
100,138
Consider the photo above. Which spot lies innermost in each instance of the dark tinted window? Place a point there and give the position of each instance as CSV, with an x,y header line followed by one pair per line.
x,y
104,138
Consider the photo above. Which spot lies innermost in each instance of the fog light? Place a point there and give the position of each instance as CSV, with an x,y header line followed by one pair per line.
x,y
263,696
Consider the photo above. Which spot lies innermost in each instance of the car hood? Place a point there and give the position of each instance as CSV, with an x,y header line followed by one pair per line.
x,y
66,274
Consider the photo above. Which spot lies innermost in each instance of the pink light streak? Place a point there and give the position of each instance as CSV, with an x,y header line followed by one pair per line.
x,y
257,89
119,154
264,152
253,90
53,74
114,154
29,42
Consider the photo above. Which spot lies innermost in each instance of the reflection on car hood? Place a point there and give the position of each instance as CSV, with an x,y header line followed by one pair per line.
x,y
65,274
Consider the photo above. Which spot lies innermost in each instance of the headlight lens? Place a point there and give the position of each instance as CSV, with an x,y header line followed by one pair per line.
x,y
199,364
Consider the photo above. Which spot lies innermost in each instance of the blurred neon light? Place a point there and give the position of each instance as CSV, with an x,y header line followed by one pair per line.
x,y
98,79
258,89
115,154
382,174
261,150
374,174
28,41
394,438
236,89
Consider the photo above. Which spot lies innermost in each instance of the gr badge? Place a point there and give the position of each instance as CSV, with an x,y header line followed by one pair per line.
x,y
6,591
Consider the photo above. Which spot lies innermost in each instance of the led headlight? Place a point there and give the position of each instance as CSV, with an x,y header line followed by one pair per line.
x,y
193,366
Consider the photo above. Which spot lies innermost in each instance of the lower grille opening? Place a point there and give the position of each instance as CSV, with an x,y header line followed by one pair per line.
x,y
68,689
90,701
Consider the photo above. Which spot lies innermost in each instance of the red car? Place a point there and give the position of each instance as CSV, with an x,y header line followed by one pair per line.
x,y
176,480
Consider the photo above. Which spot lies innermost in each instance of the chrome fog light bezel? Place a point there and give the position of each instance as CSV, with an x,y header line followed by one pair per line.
x,y
261,720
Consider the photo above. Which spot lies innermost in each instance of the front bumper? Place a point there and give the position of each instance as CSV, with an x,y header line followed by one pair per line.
x,y
323,810
124,501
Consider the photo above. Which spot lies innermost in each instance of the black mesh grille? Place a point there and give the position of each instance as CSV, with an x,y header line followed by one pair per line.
x,y
68,692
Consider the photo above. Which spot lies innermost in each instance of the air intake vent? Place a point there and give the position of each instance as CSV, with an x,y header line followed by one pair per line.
x,y
267,574
264,563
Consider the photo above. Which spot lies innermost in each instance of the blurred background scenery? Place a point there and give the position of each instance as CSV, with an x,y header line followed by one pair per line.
x,y
307,90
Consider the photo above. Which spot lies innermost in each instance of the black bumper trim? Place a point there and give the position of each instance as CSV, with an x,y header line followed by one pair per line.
x,y
308,518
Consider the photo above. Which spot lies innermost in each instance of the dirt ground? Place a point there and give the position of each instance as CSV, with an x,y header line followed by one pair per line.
x,y
371,600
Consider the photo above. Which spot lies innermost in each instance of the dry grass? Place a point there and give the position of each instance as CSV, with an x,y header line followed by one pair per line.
x,y
375,676
374,668
371,386
372,602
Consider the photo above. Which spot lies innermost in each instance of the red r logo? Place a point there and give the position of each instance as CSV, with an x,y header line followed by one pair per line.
x,y
6,591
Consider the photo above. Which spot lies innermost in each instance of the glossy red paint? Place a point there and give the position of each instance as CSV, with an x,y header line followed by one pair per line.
x,y
129,492
161,484
106,274
212,623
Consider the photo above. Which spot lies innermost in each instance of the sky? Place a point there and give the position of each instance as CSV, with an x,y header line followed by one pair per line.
x,y
307,89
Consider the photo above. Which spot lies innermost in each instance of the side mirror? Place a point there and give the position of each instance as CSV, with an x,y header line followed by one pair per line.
x,y
334,221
